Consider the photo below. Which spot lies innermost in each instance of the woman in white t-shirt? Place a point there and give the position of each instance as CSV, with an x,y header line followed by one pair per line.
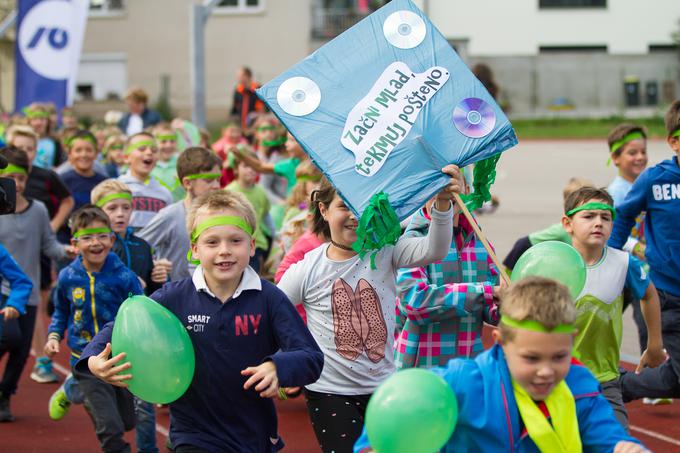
x,y
351,308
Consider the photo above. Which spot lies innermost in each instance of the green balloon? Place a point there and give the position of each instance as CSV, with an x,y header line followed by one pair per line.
x,y
158,347
555,260
412,411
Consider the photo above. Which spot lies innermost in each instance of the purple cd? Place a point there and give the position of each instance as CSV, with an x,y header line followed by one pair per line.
x,y
474,118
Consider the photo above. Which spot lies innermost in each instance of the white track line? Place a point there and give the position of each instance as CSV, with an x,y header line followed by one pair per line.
x,y
65,371
655,435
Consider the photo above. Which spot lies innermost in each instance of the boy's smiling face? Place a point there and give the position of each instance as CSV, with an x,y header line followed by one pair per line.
x,y
94,248
590,228
224,251
632,160
537,361
143,158
81,155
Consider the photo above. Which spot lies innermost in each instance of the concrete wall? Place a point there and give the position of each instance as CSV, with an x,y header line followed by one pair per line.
x,y
154,36
6,75
519,27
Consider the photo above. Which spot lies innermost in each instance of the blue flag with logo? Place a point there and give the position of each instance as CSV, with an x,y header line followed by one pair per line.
x,y
49,40
382,108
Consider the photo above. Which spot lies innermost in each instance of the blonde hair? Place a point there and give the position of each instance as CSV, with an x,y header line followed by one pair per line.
x,y
113,140
18,130
137,94
221,200
298,194
573,185
537,299
108,187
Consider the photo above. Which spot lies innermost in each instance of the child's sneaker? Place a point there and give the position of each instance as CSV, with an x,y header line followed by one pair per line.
x,y
657,401
5,413
59,404
42,371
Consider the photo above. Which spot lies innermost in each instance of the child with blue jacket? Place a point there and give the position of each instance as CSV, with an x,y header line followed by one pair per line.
x,y
248,339
527,394
657,193
12,307
89,292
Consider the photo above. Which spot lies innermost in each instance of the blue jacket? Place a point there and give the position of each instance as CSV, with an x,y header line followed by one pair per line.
x,y
20,286
149,118
137,255
657,192
85,302
488,417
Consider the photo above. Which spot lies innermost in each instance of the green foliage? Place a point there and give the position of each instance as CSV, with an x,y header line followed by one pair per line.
x,y
552,128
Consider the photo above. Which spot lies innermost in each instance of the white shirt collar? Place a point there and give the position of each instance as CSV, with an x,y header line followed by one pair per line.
x,y
250,280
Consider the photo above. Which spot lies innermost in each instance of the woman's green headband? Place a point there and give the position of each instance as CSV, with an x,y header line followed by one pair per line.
x,y
85,231
204,176
140,144
535,326
220,221
593,205
113,196
11,168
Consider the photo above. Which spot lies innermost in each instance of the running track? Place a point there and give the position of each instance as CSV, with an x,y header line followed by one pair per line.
x,y
658,427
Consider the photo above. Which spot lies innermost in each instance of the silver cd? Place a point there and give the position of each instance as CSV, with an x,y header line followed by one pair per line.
x,y
298,96
404,29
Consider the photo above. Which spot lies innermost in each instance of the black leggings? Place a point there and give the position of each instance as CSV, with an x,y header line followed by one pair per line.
x,y
17,335
337,419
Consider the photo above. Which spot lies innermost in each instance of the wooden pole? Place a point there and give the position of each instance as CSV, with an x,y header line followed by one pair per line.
x,y
480,235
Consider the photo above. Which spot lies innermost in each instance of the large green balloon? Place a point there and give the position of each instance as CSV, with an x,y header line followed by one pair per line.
x,y
413,411
556,260
158,347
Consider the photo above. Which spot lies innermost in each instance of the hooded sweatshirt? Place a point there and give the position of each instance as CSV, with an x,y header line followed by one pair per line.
x,y
657,192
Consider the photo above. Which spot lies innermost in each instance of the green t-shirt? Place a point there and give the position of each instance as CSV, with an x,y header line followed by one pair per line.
x,y
166,174
258,198
554,232
286,168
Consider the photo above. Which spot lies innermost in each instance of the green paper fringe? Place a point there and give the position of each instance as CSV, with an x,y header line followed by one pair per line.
x,y
484,175
378,227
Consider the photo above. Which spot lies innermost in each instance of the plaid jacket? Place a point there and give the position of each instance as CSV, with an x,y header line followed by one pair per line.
x,y
444,304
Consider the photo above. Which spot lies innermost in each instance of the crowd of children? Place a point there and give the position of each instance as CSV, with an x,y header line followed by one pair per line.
x,y
133,208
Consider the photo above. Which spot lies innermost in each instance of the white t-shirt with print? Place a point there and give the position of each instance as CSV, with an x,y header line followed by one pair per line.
x,y
351,308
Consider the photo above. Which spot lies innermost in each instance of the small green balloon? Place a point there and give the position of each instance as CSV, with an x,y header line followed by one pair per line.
x,y
412,411
158,347
555,260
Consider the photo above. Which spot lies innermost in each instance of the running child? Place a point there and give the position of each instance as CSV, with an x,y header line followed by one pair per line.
x,y
350,308
251,343
165,171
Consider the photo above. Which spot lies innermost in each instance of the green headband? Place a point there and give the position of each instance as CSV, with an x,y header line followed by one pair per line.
x,y
204,176
535,326
69,141
276,142
30,114
592,206
676,133
112,147
219,221
166,137
139,144
11,168
305,178
85,231
114,196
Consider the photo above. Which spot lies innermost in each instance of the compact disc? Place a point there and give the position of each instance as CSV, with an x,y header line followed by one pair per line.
x,y
404,29
474,118
299,96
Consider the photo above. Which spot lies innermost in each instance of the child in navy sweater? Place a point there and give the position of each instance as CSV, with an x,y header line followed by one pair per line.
x,y
248,338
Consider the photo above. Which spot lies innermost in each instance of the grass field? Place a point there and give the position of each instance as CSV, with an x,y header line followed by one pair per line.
x,y
565,128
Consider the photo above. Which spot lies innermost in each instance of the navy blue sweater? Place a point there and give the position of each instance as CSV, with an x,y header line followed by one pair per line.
x,y
215,413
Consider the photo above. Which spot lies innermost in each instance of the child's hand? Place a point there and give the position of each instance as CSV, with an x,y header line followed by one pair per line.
x,y
105,369
51,348
160,271
455,186
651,358
265,374
71,251
9,313
629,447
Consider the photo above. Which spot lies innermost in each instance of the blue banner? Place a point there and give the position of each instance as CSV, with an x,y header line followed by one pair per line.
x,y
49,41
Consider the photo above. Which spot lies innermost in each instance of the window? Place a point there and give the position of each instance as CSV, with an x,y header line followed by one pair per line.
x,y
239,6
547,4
566,49
106,7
